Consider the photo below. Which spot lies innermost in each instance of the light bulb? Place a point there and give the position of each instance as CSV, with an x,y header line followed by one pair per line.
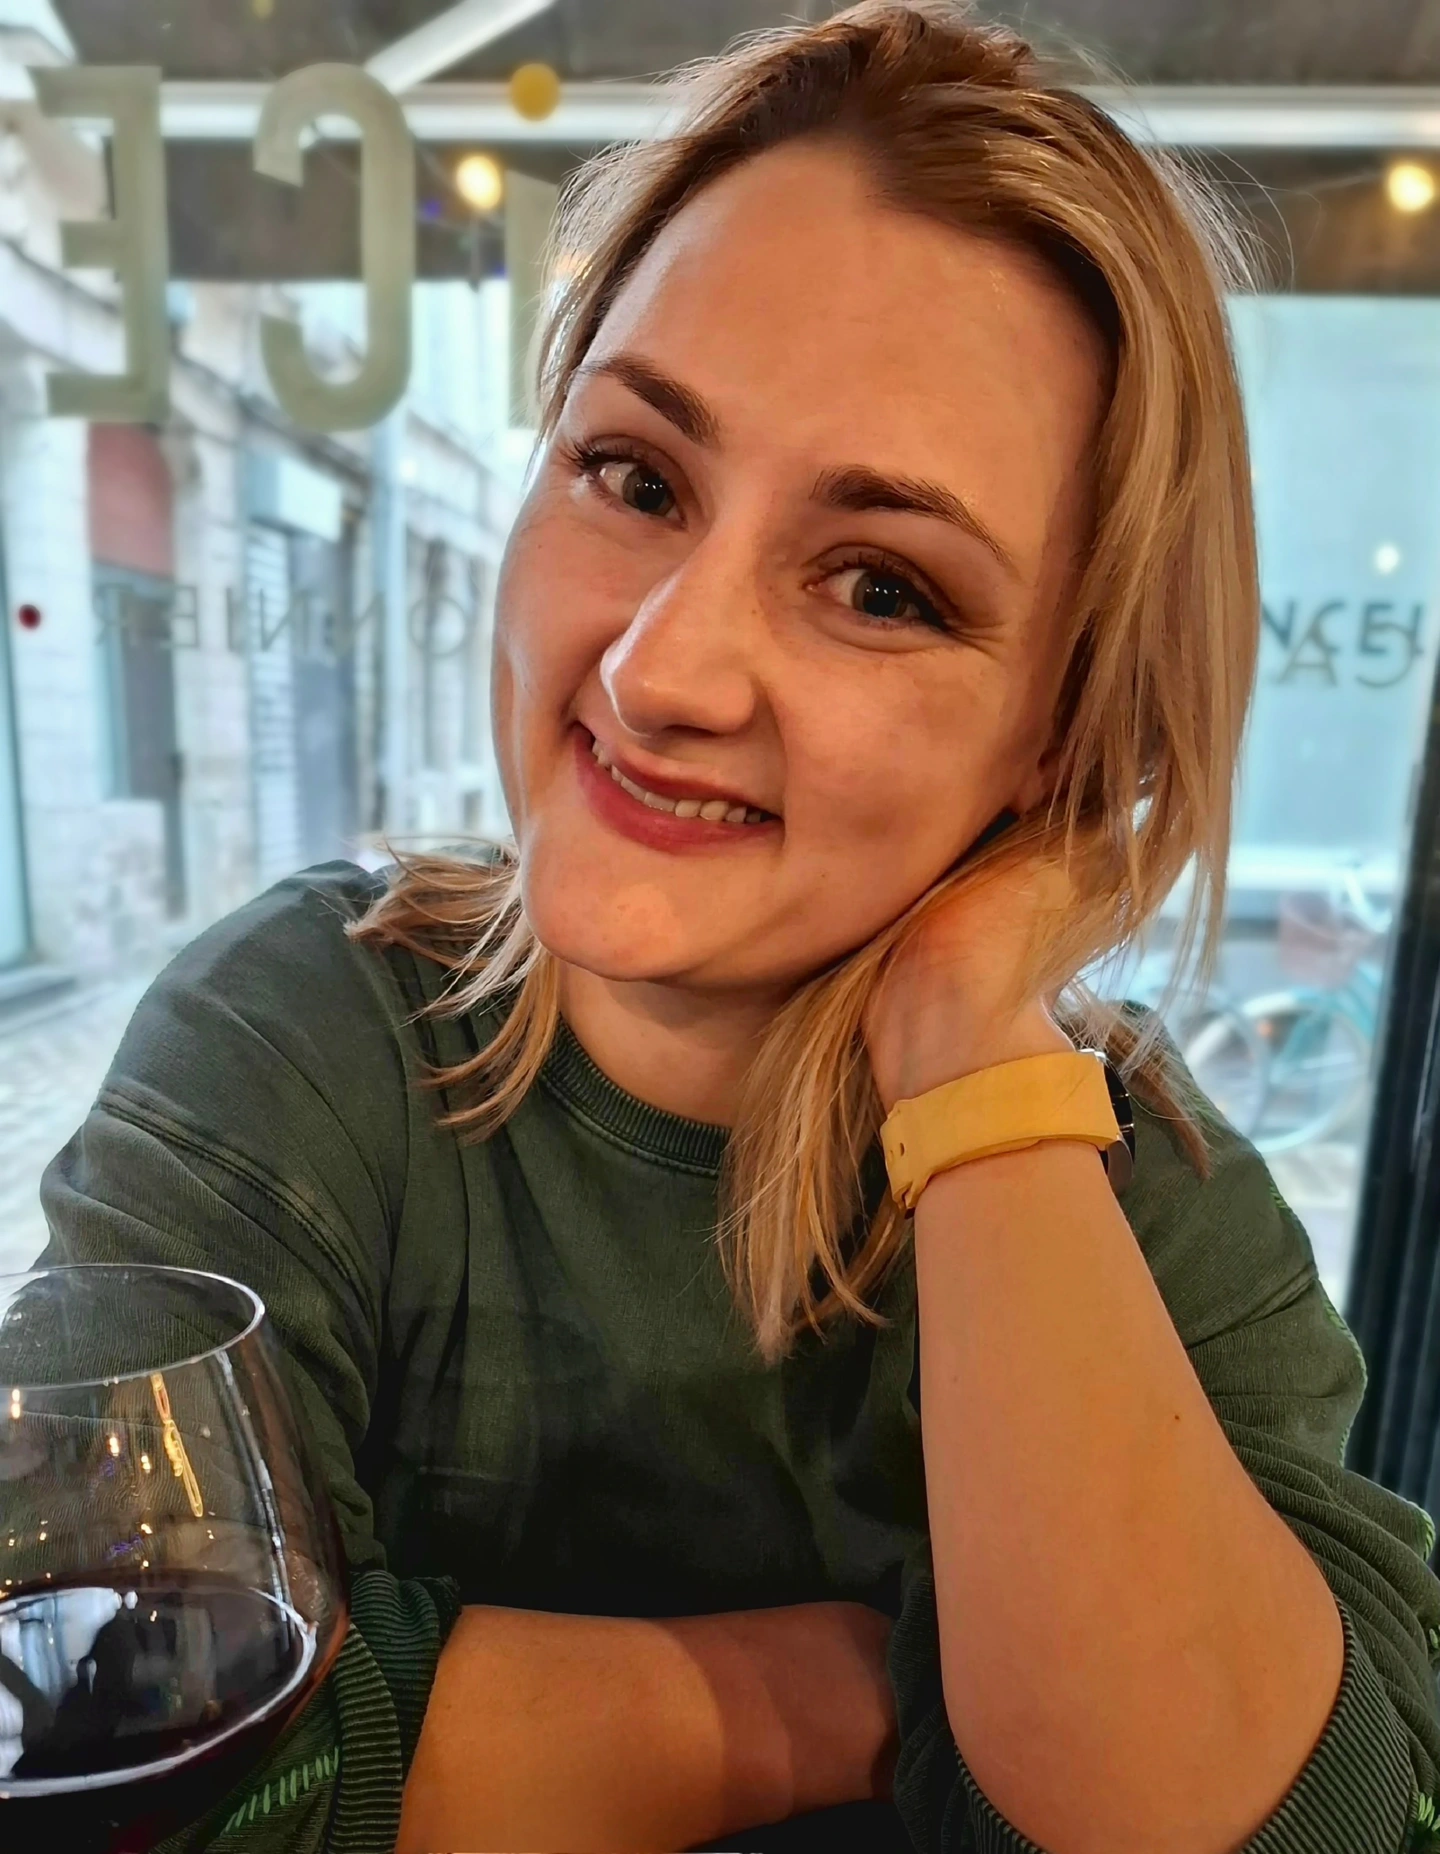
x,y
1410,186
534,91
479,182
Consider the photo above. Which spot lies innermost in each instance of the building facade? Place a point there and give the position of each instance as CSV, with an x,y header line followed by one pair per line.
x,y
232,648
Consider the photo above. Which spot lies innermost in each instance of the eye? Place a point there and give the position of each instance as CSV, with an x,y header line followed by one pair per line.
x,y
880,591
625,477
636,485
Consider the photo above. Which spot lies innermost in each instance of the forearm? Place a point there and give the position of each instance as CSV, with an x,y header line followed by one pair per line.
x,y
594,1734
1136,1650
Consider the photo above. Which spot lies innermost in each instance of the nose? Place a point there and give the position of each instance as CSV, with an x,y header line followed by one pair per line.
x,y
688,659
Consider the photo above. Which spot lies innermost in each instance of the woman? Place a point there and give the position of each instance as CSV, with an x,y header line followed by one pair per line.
x,y
892,495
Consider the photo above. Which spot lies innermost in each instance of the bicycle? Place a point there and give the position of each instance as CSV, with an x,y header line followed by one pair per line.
x,y
1290,1067
1232,1052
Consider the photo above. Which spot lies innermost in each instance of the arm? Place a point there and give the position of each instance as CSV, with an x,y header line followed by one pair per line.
x,y
1169,1643
241,1131
135,1186
604,1733
541,1731
1135,1646
1284,1379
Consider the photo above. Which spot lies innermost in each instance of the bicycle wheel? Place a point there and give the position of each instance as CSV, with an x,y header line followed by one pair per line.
x,y
1318,1069
1228,1060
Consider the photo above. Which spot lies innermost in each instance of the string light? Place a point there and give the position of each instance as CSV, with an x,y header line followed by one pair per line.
x,y
480,182
1410,186
535,91
175,1445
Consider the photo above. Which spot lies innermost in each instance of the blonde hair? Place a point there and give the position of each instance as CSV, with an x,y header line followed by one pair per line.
x,y
963,123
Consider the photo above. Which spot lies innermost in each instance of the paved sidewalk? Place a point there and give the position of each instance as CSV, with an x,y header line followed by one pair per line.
x,y
52,1062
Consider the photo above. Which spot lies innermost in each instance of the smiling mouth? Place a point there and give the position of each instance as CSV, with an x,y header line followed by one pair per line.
x,y
711,810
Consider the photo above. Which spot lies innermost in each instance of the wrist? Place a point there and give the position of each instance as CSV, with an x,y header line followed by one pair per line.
x,y
844,1729
805,1705
936,1047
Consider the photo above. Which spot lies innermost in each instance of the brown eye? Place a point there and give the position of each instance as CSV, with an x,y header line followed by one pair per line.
x,y
637,485
884,595
887,597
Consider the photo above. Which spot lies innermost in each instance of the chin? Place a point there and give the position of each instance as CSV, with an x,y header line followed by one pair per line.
x,y
616,936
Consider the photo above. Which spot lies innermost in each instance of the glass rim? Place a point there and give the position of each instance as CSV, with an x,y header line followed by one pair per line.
x,y
247,1331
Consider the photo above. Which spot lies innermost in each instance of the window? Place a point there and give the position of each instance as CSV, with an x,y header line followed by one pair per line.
x,y
238,641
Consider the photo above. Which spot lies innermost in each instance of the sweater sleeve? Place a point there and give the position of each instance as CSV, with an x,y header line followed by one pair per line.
x,y
1285,1378
255,1124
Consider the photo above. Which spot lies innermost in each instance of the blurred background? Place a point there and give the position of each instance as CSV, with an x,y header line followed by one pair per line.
x,y
235,645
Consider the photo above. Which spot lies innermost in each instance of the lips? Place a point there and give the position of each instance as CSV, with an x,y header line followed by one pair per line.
x,y
679,802
665,814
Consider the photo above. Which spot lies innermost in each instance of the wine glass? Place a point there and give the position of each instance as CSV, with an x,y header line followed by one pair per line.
x,y
171,1583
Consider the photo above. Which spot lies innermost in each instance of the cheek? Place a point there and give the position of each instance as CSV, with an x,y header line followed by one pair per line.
x,y
905,764
549,631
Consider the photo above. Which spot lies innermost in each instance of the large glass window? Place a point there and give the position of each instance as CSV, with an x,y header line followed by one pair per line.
x,y
1343,401
237,644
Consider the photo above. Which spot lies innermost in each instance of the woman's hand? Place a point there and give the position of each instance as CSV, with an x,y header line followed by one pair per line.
x,y
951,1001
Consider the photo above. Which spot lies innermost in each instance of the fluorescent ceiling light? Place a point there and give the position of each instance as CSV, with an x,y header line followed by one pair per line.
x,y
592,114
587,114
1270,116
442,42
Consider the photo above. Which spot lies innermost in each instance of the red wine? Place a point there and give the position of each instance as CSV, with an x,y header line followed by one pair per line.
x,y
130,1708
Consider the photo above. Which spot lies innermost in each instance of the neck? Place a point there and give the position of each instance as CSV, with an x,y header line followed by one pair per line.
x,y
684,1052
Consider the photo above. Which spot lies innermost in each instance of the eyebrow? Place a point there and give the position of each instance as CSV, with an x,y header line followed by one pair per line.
x,y
856,487
691,415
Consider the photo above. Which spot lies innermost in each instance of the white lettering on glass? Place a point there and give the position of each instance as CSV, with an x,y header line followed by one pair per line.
x,y
134,243
387,243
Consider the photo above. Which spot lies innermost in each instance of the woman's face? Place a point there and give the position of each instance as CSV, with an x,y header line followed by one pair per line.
x,y
790,568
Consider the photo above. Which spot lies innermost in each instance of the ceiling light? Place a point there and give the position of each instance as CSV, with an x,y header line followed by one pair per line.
x,y
480,182
535,92
1410,186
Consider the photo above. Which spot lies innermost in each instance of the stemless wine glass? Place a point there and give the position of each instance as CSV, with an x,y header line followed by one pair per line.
x,y
171,1585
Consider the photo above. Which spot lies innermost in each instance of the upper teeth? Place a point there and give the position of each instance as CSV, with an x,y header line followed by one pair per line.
x,y
712,809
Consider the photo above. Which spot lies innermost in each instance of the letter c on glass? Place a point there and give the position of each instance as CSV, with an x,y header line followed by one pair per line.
x,y
387,243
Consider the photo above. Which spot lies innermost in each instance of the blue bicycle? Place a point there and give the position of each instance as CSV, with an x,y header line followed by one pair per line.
x,y
1291,1067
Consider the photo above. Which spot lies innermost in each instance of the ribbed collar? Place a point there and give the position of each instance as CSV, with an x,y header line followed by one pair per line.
x,y
574,1080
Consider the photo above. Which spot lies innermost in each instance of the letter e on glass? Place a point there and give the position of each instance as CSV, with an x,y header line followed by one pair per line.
x,y
134,243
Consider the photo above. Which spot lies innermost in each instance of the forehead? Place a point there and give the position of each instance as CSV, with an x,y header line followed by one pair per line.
x,y
818,321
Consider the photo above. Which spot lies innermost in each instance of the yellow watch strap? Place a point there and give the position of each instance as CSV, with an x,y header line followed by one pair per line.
x,y
1001,1109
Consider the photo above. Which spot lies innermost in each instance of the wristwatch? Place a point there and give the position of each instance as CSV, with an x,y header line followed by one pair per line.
x,y
1076,1095
1119,1158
